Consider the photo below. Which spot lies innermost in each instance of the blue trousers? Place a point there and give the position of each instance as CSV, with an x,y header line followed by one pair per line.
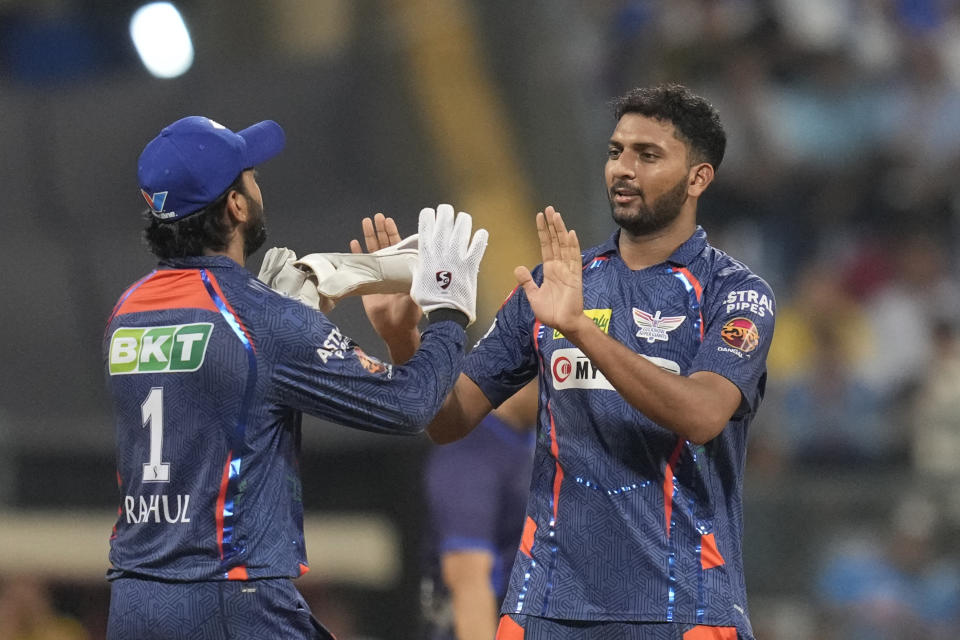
x,y
221,610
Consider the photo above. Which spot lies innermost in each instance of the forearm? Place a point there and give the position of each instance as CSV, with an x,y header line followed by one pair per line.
x,y
467,575
474,611
689,406
462,410
402,345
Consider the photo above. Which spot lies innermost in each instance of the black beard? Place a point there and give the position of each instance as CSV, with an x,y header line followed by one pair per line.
x,y
651,219
254,234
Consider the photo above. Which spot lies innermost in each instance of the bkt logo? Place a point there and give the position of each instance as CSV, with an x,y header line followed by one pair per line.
x,y
173,349
573,370
444,278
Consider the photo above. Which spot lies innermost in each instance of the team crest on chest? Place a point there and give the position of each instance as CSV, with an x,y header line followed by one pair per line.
x,y
654,327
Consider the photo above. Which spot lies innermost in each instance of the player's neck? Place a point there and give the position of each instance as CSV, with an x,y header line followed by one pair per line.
x,y
233,250
642,251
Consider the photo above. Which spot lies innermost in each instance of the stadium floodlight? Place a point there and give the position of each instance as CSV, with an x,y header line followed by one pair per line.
x,y
162,39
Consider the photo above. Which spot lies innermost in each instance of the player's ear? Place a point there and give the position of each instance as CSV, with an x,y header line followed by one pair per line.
x,y
699,178
237,208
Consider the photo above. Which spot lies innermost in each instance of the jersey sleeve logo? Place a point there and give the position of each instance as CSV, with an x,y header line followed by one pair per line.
x,y
654,327
177,348
371,364
741,333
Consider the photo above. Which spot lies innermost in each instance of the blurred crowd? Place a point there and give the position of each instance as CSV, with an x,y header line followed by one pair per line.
x,y
840,187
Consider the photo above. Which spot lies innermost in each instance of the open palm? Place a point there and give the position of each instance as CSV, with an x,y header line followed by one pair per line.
x,y
558,301
389,313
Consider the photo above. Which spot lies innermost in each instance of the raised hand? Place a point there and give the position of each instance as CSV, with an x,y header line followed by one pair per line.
x,y
558,302
394,316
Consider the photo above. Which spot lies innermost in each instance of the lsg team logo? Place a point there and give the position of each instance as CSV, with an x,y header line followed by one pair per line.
x,y
741,333
653,327
444,278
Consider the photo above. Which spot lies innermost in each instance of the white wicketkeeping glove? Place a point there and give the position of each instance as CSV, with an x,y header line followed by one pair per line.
x,y
320,280
449,262
387,270
279,272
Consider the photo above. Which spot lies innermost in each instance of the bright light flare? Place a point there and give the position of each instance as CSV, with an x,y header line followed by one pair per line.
x,y
162,39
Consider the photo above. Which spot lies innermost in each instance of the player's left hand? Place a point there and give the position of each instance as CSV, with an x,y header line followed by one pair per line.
x,y
392,315
558,302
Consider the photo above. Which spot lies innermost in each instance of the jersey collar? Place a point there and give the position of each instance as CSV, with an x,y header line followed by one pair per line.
x,y
683,256
199,262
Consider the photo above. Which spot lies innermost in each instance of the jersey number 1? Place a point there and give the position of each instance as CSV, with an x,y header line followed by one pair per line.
x,y
152,412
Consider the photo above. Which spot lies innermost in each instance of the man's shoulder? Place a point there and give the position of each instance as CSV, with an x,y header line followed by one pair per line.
x,y
724,271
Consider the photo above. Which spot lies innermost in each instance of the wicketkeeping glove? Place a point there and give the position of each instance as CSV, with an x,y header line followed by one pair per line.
x,y
387,270
320,280
449,262
280,273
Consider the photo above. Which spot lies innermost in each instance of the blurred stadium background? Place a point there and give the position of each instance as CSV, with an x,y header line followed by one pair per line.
x,y
840,187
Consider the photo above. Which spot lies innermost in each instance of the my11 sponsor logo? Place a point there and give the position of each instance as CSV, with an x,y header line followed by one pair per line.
x,y
573,370
750,301
171,349
163,508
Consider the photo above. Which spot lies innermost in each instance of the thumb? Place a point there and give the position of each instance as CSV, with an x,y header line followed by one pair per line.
x,y
525,279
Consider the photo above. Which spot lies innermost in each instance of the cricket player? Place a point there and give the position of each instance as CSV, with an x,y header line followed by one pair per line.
x,y
650,351
210,370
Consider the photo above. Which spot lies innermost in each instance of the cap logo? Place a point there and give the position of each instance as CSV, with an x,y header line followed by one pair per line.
x,y
156,200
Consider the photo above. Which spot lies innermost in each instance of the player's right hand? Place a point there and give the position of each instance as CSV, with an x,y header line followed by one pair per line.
x,y
449,262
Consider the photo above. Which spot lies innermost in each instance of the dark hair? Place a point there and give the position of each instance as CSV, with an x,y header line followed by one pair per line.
x,y
696,121
207,228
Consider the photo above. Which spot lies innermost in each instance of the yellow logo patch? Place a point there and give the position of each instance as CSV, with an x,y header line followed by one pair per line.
x,y
600,317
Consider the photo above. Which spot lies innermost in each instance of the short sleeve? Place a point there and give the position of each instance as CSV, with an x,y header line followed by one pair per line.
x,y
738,329
505,358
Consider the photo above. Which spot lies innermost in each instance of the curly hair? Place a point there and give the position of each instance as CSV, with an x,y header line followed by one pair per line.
x,y
696,122
207,228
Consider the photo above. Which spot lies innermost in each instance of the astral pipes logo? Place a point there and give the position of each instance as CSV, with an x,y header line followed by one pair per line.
x,y
173,349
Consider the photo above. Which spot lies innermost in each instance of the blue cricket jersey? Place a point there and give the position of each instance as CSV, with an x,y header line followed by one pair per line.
x,y
626,520
209,371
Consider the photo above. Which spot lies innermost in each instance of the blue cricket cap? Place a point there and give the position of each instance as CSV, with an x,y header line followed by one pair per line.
x,y
194,160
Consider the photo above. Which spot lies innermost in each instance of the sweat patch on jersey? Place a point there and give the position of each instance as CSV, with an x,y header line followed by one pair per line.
x,y
178,348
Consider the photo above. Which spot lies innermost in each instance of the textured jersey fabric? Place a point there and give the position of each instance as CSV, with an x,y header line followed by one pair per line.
x,y
626,520
209,371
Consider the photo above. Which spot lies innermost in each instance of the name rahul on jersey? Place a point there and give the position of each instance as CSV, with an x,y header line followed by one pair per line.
x,y
157,508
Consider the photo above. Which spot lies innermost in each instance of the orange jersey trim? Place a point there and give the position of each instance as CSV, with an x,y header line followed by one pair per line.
x,y
704,632
508,629
169,289
709,554
526,541
221,500
668,483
